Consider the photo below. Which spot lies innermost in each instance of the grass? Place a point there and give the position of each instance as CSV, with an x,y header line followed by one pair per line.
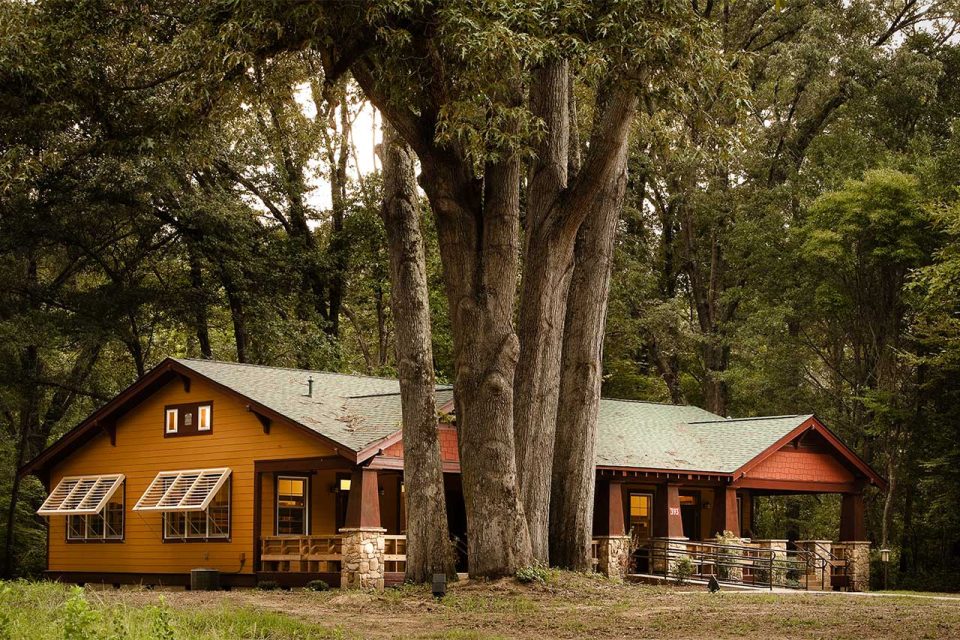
x,y
564,606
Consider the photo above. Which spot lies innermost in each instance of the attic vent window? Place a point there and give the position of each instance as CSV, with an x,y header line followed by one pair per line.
x,y
195,418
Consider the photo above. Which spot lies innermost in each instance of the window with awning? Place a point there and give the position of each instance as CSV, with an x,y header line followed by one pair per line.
x,y
81,495
192,490
195,504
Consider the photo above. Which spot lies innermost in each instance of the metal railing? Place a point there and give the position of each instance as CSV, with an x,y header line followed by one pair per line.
x,y
735,564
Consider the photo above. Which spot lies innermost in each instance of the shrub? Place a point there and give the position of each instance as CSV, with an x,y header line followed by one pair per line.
x,y
532,573
80,620
683,569
268,585
317,585
160,625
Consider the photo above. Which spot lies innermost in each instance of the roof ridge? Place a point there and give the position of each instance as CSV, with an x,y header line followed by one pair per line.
x,y
656,402
269,366
393,393
752,418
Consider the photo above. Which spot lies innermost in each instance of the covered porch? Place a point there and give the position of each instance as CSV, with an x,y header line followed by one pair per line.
x,y
324,519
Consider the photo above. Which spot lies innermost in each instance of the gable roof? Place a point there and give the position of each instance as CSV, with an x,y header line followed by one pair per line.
x,y
360,415
355,414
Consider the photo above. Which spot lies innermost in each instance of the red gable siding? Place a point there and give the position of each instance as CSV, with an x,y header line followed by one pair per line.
x,y
802,466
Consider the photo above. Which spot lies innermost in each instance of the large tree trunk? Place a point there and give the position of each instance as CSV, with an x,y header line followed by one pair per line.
x,y
478,235
573,473
428,538
548,256
200,315
555,214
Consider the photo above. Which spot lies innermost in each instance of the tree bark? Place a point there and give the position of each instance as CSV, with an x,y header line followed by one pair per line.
x,y
555,213
200,315
428,538
573,473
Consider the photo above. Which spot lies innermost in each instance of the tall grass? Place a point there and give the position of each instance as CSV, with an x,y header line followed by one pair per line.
x,y
50,611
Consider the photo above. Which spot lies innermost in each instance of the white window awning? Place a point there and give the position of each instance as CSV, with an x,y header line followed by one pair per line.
x,y
182,490
81,495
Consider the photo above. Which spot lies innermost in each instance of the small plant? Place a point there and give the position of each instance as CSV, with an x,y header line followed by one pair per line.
x,y
5,625
268,585
317,585
80,619
160,625
683,569
532,573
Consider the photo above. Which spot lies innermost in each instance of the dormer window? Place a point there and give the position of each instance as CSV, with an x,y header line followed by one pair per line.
x,y
195,418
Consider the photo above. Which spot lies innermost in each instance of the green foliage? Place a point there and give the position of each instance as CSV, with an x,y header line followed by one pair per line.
x,y
535,573
682,569
268,585
317,585
80,620
160,624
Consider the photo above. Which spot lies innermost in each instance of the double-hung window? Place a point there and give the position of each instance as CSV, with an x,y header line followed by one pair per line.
x,y
293,505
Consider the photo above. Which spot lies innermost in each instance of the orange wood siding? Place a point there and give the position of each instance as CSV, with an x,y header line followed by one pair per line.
x,y
142,451
802,466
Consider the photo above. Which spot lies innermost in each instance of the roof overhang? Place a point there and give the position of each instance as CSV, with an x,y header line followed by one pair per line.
x,y
849,457
104,419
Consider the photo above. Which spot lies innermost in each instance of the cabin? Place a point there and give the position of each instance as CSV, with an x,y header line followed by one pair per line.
x,y
286,475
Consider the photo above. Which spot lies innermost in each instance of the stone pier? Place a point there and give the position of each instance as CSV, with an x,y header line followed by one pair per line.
x,y
362,565
613,555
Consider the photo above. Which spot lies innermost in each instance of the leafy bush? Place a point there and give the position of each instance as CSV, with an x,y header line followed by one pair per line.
x,y
268,585
683,569
532,573
317,585
80,620
160,624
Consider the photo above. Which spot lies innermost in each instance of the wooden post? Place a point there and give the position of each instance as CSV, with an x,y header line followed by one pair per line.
x,y
608,517
667,522
363,505
726,516
852,525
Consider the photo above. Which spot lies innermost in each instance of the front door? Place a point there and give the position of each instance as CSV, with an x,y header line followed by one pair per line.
x,y
640,527
690,514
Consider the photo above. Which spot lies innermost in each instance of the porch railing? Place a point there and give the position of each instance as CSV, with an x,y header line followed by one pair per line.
x,y
323,554
302,554
737,564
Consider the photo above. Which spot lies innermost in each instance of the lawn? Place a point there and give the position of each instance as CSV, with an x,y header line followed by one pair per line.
x,y
567,606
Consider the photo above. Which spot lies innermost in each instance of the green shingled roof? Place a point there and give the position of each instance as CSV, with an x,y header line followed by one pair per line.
x,y
354,411
359,411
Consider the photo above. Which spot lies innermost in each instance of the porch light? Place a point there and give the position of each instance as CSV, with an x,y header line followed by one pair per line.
x,y
343,484
884,555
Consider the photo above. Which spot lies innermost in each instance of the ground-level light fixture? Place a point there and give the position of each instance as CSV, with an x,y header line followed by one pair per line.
x,y
885,559
439,585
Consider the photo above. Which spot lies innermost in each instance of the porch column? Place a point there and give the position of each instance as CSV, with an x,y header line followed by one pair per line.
x,y
667,522
852,525
363,542
613,543
725,514
668,544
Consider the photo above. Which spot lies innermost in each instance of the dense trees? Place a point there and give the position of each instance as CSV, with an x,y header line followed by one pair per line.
x,y
768,192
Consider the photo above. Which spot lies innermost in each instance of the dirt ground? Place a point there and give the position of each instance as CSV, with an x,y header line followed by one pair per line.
x,y
573,606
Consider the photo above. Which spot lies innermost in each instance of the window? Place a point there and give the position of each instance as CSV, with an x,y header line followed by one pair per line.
x,y
98,527
81,495
195,504
641,514
203,417
189,419
172,417
213,523
293,499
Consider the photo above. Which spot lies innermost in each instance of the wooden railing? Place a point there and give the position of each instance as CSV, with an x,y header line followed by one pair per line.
x,y
302,554
323,554
395,554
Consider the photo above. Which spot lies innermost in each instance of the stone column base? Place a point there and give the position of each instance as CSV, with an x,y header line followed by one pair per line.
x,y
613,555
819,576
665,552
858,564
362,564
